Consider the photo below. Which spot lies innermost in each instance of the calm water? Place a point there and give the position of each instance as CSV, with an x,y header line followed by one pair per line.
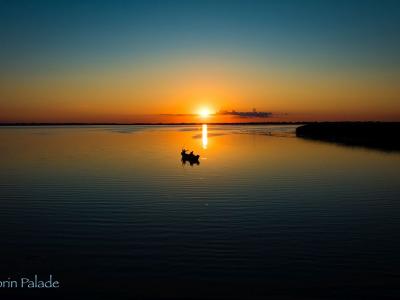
x,y
111,209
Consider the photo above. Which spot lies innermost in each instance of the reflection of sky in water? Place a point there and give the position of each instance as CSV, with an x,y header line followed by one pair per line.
x,y
268,205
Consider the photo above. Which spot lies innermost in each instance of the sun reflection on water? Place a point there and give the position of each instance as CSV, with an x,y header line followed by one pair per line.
x,y
204,136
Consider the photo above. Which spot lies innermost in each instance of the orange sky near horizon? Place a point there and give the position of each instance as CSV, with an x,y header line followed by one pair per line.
x,y
185,85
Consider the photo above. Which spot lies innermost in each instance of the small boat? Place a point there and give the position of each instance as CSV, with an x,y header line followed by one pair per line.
x,y
191,158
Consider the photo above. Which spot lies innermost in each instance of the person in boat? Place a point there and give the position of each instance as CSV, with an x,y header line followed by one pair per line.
x,y
189,156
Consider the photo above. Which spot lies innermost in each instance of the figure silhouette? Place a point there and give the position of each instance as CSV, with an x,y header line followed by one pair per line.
x,y
191,158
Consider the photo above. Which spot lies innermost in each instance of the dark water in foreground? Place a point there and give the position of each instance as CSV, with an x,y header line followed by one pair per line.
x,y
111,210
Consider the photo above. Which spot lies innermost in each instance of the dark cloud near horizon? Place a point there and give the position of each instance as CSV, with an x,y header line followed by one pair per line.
x,y
246,114
242,114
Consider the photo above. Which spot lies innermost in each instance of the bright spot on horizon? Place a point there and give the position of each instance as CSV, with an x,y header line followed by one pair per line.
x,y
204,113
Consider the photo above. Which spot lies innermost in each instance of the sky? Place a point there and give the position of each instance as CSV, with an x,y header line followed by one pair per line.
x,y
164,61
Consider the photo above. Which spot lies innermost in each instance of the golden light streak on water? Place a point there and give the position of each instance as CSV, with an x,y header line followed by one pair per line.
x,y
204,136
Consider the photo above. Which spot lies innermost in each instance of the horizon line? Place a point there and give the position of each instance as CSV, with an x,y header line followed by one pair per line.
x,y
179,123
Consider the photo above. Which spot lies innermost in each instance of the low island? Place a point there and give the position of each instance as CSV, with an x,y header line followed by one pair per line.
x,y
377,135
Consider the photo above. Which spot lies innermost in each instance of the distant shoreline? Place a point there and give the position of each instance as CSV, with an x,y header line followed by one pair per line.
x,y
150,124
377,135
191,123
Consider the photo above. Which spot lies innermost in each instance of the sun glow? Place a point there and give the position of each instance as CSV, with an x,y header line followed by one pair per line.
x,y
204,113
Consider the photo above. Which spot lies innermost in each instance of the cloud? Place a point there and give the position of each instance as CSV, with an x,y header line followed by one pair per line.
x,y
242,114
246,114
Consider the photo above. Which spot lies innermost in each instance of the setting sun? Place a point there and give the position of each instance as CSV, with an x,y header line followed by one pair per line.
x,y
204,113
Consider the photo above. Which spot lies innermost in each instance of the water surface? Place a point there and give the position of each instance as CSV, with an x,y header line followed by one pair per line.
x,y
112,209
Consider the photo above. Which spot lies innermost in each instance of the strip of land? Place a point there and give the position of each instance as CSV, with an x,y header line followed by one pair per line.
x,y
377,135
170,124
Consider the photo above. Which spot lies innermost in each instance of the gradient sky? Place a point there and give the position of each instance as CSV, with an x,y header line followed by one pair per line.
x,y
127,61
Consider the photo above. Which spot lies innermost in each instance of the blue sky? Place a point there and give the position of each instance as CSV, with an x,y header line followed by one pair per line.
x,y
358,40
348,31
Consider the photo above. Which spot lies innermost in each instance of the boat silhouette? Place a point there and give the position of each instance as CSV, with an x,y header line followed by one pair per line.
x,y
191,158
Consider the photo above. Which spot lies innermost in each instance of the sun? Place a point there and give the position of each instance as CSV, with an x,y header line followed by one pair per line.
x,y
204,113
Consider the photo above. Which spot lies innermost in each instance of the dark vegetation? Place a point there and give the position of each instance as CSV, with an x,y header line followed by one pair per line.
x,y
377,135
